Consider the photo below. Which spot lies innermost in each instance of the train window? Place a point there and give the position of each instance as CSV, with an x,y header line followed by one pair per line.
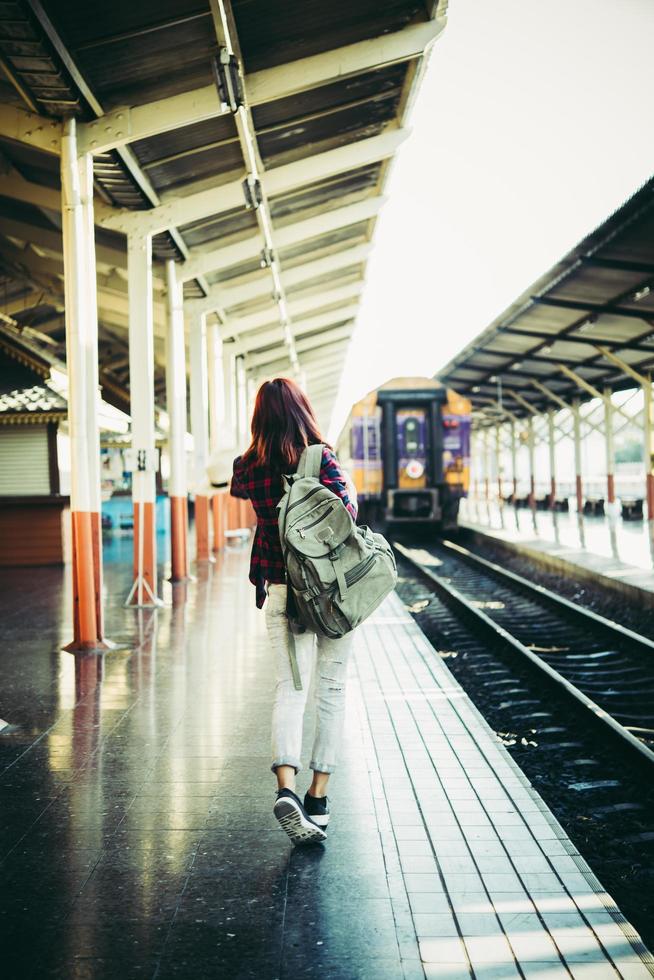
x,y
411,437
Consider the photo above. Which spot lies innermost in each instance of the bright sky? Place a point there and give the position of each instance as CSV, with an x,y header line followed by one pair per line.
x,y
533,123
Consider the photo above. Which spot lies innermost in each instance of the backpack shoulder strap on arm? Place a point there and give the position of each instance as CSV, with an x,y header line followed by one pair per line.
x,y
311,461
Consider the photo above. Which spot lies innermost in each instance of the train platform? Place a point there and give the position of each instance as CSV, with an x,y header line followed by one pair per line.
x,y
137,831
617,554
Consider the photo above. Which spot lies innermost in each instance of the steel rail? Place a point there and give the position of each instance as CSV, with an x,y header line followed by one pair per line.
x,y
455,599
559,603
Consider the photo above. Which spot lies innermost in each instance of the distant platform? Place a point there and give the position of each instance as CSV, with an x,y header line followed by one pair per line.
x,y
616,554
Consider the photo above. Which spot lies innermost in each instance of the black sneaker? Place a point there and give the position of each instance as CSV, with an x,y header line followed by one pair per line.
x,y
295,820
318,809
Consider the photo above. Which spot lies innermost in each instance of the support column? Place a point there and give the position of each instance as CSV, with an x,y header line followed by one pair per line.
x,y
514,463
141,384
498,455
241,404
552,447
229,376
487,466
217,423
576,427
82,364
200,430
608,432
532,471
176,405
648,427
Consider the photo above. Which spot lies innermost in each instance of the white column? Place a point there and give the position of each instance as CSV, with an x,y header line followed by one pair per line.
x,y
532,468
176,405
241,404
608,434
552,452
216,379
229,375
141,385
82,358
576,429
200,430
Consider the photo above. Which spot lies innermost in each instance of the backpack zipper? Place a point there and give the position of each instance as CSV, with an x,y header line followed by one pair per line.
x,y
306,497
359,570
306,527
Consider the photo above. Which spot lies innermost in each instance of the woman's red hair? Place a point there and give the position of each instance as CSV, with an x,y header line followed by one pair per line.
x,y
283,424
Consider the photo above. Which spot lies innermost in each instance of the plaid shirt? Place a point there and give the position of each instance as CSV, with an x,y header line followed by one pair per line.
x,y
263,486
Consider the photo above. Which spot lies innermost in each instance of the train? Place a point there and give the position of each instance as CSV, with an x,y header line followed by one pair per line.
x,y
406,446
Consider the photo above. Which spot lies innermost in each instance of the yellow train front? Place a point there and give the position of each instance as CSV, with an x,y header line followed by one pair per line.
x,y
407,448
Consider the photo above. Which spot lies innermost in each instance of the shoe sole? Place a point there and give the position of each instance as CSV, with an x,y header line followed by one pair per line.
x,y
298,828
322,819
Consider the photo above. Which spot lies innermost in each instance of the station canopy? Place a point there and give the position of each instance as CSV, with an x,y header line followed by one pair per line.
x,y
271,207
585,325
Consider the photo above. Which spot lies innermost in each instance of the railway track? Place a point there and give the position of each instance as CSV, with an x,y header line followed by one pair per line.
x,y
600,666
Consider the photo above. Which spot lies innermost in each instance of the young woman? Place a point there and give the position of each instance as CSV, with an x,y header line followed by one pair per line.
x,y
283,425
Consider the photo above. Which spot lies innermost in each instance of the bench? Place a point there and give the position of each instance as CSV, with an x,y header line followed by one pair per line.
x,y
594,507
632,508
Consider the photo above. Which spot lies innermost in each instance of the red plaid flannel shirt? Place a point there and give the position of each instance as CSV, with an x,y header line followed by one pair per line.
x,y
263,486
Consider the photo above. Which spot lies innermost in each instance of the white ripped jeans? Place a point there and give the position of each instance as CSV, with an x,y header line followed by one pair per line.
x,y
331,676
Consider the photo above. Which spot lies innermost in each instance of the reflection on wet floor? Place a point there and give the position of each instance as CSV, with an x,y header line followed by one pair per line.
x,y
628,543
137,831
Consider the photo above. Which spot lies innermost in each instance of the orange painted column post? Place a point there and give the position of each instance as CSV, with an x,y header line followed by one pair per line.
x,y
200,430
143,453
176,405
218,516
82,364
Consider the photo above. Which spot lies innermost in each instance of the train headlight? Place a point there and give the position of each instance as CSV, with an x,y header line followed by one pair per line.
x,y
414,469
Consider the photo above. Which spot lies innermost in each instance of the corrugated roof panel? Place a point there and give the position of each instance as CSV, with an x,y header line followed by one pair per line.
x,y
216,228
324,195
273,33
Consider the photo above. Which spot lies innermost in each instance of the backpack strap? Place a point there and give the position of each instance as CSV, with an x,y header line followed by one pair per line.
x,y
311,461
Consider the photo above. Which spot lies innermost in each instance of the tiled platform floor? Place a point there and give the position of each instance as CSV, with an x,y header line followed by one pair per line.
x,y
619,552
137,832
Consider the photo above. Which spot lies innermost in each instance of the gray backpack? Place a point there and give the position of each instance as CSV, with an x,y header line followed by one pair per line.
x,y
337,573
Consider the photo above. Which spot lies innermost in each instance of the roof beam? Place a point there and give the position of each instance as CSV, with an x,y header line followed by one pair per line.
x,y
28,127
598,308
200,263
520,400
294,277
297,308
309,324
280,180
619,265
553,338
315,363
129,123
628,369
309,343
